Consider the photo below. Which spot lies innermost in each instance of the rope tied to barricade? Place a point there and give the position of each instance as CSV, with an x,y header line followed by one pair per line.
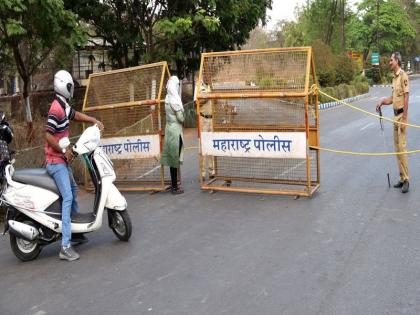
x,y
314,90
363,153
317,90
38,146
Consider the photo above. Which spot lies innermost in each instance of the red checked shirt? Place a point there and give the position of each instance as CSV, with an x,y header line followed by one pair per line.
x,y
58,124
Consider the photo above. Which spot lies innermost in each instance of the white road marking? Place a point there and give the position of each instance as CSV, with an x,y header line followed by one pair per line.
x,y
367,126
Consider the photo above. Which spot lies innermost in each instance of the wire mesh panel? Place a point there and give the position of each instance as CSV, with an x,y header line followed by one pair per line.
x,y
258,115
129,103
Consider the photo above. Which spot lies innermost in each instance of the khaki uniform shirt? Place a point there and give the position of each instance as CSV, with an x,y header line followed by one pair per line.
x,y
205,105
400,85
205,108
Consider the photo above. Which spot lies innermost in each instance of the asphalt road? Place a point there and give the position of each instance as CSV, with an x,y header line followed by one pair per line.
x,y
353,248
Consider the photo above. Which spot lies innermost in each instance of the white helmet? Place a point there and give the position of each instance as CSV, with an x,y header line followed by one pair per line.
x,y
63,84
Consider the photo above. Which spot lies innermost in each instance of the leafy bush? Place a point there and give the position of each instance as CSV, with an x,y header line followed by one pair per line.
x,y
360,78
324,99
325,63
386,73
374,75
343,91
361,87
337,75
381,74
344,70
349,91
326,77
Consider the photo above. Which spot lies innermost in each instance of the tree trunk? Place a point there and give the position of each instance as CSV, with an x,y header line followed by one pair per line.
x,y
331,20
151,44
28,112
343,34
126,59
365,55
24,74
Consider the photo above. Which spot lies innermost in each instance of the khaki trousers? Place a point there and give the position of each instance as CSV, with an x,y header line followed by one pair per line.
x,y
400,142
205,124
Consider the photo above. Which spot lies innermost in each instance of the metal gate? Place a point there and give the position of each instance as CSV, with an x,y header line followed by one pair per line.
x,y
129,102
257,116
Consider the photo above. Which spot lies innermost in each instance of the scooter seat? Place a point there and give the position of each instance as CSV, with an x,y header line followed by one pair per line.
x,y
37,177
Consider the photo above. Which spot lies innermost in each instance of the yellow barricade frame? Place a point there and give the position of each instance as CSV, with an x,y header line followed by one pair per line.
x,y
279,81
130,102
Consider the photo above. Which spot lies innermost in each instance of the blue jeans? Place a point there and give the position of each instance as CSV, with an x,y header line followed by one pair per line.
x,y
63,177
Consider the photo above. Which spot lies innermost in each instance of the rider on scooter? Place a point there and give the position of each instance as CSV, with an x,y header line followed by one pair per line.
x,y
57,159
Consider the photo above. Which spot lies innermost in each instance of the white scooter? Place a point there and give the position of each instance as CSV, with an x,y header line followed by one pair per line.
x,y
33,201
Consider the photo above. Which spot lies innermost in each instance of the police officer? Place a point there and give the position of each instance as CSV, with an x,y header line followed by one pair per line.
x,y
205,126
399,99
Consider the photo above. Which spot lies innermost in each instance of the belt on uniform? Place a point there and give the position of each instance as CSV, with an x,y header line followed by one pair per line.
x,y
206,116
398,111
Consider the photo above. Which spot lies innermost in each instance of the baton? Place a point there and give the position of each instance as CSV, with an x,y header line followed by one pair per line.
x,y
383,137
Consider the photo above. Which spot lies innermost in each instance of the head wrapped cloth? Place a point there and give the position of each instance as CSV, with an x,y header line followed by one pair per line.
x,y
172,94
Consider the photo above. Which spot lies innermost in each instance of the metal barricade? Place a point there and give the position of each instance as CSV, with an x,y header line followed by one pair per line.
x,y
130,103
257,116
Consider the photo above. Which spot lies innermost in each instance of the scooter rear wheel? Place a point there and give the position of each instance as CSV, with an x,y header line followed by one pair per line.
x,y
120,224
24,250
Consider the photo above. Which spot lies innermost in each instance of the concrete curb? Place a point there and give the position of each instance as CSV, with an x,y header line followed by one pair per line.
x,y
347,100
382,85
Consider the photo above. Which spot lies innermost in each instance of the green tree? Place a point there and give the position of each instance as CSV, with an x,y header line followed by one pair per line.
x,y
412,7
386,30
119,22
176,30
325,63
320,20
183,33
6,63
31,30
259,39
344,70
289,33
190,27
324,20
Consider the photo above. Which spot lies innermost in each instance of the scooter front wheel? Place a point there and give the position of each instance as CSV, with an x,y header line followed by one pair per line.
x,y
25,250
120,224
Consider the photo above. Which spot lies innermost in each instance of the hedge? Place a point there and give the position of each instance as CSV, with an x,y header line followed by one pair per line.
x,y
343,91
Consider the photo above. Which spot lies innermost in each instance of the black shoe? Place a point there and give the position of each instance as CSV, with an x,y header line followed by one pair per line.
x,y
177,191
78,239
405,187
398,185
